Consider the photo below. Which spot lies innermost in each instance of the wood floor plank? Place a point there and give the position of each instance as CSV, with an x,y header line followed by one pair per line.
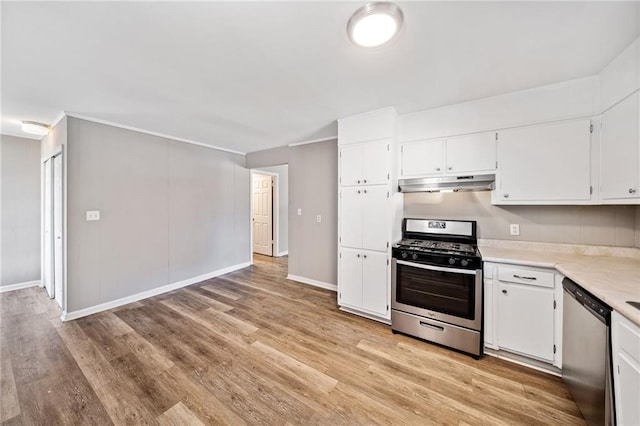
x,y
250,347
9,403
179,415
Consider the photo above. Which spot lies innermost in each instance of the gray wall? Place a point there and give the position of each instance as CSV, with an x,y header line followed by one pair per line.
x,y
19,210
169,211
593,225
313,182
283,204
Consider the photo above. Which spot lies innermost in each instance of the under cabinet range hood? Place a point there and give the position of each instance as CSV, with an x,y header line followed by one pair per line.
x,y
448,184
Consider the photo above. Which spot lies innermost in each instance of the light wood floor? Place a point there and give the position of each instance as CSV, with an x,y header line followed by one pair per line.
x,y
250,348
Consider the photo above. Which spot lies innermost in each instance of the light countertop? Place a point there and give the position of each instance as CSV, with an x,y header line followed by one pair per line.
x,y
612,275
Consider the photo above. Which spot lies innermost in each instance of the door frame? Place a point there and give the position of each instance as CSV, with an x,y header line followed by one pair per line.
x,y
60,151
275,219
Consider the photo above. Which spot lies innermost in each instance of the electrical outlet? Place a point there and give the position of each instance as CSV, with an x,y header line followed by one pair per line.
x,y
299,212
93,215
318,218
515,229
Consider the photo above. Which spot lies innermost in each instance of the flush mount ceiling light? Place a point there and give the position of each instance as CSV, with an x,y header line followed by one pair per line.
x,y
375,24
35,128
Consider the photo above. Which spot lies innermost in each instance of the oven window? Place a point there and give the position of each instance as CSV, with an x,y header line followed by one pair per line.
x,y
445,292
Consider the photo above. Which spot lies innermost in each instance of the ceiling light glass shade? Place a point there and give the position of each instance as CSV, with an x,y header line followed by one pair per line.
x,y
375,24
35,128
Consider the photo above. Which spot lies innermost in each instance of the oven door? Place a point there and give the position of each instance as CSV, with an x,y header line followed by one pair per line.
x,y
445,294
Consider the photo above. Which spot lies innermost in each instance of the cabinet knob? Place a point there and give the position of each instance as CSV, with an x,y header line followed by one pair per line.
x,y
632,190
450,168
358,255
365,191
358,191
358,180
504,291
437,169
506,195
364,255
365,181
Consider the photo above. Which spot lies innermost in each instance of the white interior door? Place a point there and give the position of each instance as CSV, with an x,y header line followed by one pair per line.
x,y
263,214
47,242
57,229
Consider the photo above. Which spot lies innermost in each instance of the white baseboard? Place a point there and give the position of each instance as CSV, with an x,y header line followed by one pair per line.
x,y
283,253
314,283
68,316
19,286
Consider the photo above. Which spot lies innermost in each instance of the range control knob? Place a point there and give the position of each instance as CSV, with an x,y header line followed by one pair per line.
x,y
451,261
464,262
404,254
414,256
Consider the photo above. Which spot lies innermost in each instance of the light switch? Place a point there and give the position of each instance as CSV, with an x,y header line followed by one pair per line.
x,y
318,218
93,215
515,229
299,212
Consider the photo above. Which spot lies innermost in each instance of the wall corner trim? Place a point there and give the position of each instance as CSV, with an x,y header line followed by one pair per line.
x,y
68,316
312,282
19,286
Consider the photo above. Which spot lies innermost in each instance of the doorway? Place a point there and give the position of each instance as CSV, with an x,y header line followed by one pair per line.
x,y
270,211
52,228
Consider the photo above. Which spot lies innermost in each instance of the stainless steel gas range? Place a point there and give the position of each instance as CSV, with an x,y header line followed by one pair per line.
x,y
436,288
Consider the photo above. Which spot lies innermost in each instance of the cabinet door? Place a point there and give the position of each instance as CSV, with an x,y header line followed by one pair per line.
x,y
627,382
351,217
471,153
489,312
375,291
525,320
550,162
422,158
351,165
375,218
620,153
625,339
375,166
350,278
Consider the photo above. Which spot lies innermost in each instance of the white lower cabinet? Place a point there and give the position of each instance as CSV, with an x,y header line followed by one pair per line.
x,y
364,281
525,320
625,339
522,311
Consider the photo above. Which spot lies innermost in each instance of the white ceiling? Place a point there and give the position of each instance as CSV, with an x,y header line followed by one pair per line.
x,y
250,76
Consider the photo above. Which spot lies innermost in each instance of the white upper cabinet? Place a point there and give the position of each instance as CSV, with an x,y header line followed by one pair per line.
x,y
471,153
351,165
452,156
375,162
365,163
369,126
620,151
548,163
422,158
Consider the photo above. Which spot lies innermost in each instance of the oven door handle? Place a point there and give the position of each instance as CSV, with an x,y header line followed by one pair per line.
x,y
436,268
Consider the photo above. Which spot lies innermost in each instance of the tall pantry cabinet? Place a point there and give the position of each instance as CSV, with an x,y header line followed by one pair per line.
x,y
368,209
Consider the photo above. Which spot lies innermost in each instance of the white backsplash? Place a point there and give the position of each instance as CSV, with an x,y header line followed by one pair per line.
x,y
590,225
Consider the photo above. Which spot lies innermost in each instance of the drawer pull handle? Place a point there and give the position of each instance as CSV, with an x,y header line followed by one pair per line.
x,y
435,327
524,278
504,291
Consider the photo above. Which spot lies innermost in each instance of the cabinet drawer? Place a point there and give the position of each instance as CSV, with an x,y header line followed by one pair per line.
x,y
628,338
526,276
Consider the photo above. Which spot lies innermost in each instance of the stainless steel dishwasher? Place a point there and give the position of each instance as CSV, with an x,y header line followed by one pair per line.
x,y
586,349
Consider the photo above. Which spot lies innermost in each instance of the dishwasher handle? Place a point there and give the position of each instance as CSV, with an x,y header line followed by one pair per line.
x,y
595,306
